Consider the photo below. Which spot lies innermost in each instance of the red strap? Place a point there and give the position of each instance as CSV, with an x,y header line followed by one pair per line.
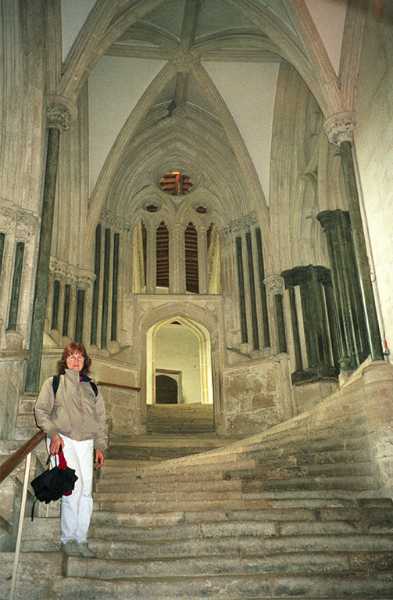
x,y
62,461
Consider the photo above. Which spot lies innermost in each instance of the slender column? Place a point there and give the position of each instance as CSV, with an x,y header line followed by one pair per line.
x,y
262,289
202,259
73,309
61,305
58,120
115,285
66,310
253,302
16,285
275,287
2,242
295,330
151,258
55,304
80,313
105,290
339,129
96,287
242,300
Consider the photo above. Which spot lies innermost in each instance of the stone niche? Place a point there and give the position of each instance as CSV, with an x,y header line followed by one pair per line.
x,y
251,397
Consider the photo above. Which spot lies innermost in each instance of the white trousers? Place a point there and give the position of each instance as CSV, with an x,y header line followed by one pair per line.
x,y
76,509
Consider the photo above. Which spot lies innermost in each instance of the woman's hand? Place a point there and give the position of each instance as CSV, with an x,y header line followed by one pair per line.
x,y
55,444
99,458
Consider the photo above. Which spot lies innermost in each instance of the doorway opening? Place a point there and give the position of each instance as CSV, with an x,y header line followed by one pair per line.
x,y
178,363
168,386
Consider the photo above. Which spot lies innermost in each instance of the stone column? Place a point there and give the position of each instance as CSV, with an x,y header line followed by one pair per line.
x,y
352,330
58,119
339,129
275,288
319,328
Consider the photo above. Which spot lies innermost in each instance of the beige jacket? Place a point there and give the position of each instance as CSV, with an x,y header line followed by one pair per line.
x,y
75,411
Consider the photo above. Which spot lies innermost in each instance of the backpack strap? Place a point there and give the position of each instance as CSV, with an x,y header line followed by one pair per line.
x,y
87,379
55,383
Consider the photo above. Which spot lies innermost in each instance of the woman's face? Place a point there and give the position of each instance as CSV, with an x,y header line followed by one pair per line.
x,y
75,361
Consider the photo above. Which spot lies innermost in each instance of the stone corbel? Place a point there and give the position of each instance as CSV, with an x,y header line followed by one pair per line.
x,y
184,60
60,112
339,128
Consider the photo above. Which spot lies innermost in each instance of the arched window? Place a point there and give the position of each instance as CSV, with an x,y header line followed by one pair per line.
x,y
191,258
162,256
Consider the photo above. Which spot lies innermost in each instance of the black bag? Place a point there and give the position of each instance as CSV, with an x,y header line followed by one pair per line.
x,y
53,483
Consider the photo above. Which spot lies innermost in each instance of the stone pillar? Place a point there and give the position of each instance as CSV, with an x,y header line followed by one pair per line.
x,y
58,119
339,129
352,330
319,329
275,288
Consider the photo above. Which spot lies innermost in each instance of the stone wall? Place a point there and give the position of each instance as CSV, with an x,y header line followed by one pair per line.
x,y
252,397
374,143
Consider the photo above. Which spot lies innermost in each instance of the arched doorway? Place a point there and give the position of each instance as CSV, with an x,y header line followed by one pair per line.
x,y
179,348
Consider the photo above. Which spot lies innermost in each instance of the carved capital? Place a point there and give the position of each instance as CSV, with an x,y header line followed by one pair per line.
x,y
274,284
85,279
339,128
111,219
241,224
60,112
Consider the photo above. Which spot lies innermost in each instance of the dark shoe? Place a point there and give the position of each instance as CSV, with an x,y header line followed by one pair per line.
x,y
70,548
85,551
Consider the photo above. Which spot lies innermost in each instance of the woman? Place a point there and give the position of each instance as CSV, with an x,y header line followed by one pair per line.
x,y
73,416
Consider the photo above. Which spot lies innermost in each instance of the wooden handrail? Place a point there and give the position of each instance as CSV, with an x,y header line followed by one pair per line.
x,y
119,385
16,458
19,455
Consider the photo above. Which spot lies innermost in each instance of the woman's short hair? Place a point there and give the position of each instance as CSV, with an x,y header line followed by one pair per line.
x,y
71,348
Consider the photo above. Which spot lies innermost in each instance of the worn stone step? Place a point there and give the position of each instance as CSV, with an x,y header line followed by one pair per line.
x,y
241,545
267,586
141,452
146,487
358,482
184,472
314,500
286,563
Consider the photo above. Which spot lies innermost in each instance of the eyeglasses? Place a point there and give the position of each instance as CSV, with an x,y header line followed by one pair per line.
x,y
75,357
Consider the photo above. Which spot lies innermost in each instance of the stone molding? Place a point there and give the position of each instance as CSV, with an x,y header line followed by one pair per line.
x,y
60,113
70,274
339,128
14,220
274,284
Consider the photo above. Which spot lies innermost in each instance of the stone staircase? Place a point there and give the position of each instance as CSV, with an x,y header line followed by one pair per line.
x,y
294,512
180,418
